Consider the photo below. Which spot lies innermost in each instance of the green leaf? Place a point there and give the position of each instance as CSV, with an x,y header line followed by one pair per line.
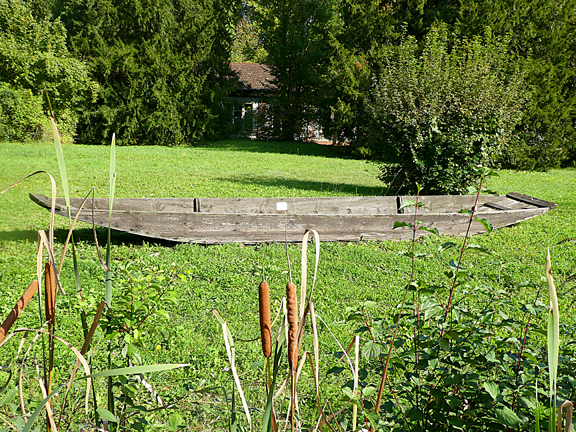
x,y
430,230
485,223
477,248
369,391
407,203
370,349
370,304
175,421
444,344
492,389
8,397
257,365
399,224
447,245
349,393
507,417
335,370
431,307
106,415
373,418
135,370
162,313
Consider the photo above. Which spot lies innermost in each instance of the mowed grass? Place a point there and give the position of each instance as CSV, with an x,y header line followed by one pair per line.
x,y
226,277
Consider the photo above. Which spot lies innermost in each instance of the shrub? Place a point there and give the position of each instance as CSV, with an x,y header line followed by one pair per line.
x,y
34,59
440,114
21,115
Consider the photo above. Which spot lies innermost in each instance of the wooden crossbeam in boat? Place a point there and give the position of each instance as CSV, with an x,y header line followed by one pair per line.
x,y
531,200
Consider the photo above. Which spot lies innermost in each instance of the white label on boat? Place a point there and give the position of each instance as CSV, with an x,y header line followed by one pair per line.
x,y
281,206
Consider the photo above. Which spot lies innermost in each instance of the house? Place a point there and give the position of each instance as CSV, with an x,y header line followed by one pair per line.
x,y
251,103
250,100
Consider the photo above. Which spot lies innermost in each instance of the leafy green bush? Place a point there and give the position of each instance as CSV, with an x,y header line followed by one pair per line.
x,y
461,354
21,115
439,115
34,60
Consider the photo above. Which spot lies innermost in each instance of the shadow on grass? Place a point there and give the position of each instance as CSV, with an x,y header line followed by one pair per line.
x,y
309,185
18,235
86,235
292,147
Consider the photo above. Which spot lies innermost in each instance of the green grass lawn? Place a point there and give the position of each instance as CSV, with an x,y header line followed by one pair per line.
x,y
226,277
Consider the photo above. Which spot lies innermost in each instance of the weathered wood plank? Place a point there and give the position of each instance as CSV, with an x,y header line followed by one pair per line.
x,y
301,205
456,203
174,205
296,205
531,200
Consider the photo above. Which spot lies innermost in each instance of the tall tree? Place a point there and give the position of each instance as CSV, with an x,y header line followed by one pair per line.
x,y
247,46
297,36
161,65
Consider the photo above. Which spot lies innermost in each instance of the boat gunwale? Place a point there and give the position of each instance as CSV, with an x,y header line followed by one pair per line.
x,y
45,201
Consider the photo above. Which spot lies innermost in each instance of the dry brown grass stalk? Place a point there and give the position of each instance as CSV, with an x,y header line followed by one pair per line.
x,y
265,327
50,310
17,310
569,413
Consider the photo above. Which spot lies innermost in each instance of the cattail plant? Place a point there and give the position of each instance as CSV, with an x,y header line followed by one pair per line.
x,y
292,312
265,327
293,349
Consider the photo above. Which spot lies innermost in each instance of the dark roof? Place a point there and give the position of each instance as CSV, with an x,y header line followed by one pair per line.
x,y
253,76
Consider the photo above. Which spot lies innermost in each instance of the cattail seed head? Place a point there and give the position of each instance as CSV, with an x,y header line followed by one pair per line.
x,y
265,327
292,311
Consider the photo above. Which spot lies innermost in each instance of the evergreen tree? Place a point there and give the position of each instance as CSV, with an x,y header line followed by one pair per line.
x,y
297,36
162,66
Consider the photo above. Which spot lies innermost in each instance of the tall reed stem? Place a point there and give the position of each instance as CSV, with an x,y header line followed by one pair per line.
x,y
386,365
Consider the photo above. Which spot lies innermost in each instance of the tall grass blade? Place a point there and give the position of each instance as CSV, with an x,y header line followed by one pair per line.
x,y
51,425
268,421
110,205
61,164
108,276
39,408
233,417
553,337
303,300
136,370
316,346
355,389
569,414
229,343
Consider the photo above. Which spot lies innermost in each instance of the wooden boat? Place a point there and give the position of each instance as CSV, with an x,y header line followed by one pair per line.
x,y
255,220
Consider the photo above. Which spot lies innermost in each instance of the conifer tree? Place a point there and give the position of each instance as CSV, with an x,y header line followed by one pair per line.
x,y
162,66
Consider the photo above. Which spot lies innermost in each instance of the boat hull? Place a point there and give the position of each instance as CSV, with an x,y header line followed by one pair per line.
x,y
247,220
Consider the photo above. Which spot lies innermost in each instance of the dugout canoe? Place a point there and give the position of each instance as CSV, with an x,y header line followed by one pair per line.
x,y
256,220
